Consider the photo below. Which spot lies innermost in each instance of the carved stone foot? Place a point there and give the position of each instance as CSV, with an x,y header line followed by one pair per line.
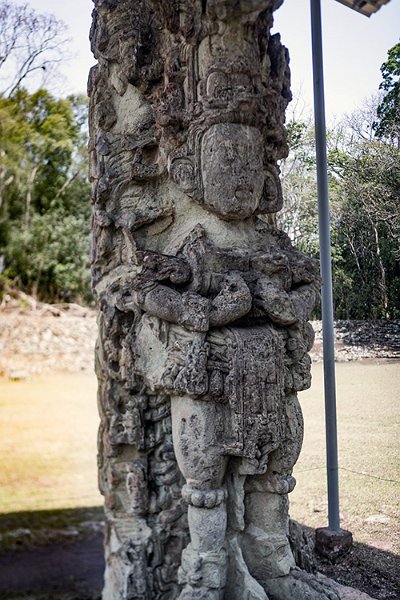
x,y
299,585
199,593
267,555
240,585
203,573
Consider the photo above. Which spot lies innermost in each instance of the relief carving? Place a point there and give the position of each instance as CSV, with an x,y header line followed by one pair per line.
x,y
204,304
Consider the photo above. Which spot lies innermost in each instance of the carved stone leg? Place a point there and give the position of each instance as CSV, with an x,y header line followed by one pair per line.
x,y
197,434
267,552
265,543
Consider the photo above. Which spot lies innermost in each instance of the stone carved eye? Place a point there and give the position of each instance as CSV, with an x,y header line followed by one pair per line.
x,y
217,86
182,172
270,188
241,83
230,154
272,194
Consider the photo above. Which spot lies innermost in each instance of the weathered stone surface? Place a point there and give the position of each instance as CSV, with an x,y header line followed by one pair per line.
x,y
204,305
302,545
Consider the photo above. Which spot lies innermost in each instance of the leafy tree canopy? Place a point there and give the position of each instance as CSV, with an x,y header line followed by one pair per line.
x,y
388,112
364,190
44,194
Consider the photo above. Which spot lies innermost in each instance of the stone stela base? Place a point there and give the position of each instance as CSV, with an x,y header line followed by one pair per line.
x,y
333,544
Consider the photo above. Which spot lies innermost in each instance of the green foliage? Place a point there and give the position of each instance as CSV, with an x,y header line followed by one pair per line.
x,y
299,217
367,230
51,257
44,194
364,184
388,111
38,138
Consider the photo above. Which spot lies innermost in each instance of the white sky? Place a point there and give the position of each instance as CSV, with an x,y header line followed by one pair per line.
x,y
354,48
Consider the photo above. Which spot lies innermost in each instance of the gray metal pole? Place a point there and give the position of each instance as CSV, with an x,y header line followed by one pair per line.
x,y
326,270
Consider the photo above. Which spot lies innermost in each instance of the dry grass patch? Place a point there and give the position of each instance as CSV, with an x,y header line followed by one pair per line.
x,y
48,429
369,441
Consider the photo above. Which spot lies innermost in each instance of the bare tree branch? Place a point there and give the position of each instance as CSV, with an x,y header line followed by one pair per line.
x,y
29,43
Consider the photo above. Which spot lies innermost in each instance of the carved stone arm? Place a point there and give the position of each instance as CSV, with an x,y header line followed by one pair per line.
x,y
188,309
304,299
274,302
153,295
232,302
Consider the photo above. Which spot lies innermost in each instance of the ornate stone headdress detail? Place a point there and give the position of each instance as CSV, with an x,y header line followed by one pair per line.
x,y
230,92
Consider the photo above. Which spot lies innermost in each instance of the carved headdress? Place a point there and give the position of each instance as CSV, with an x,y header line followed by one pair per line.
x,y
231,91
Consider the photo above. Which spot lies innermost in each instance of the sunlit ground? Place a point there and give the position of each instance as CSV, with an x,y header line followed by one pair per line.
x,y
48,429
48,432
369,442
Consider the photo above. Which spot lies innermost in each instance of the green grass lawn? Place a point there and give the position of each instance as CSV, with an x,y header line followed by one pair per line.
x,y
48,430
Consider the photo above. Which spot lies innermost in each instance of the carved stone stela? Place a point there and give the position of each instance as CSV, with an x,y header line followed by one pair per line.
x,y
203,332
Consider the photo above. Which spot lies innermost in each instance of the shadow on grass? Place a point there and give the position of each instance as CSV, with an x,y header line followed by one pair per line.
x,y
52,555
24,529
366,568
373,571
53,563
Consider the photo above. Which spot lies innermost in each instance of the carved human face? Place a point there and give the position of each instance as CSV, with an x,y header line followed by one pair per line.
x,y
232,169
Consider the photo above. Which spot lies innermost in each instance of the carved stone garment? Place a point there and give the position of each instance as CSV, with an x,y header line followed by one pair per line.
x,y
241,367
204,304
255,391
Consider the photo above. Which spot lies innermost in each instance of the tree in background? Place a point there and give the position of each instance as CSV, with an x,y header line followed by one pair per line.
x,y
44,193
31,45
45,209
366,222
299,216
364,189
388,111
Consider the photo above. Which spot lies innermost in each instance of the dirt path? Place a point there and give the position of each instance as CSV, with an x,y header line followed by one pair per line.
x,y
72,568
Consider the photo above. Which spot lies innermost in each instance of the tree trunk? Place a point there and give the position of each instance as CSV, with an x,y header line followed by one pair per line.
x,y
203,332
28,201
382,272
